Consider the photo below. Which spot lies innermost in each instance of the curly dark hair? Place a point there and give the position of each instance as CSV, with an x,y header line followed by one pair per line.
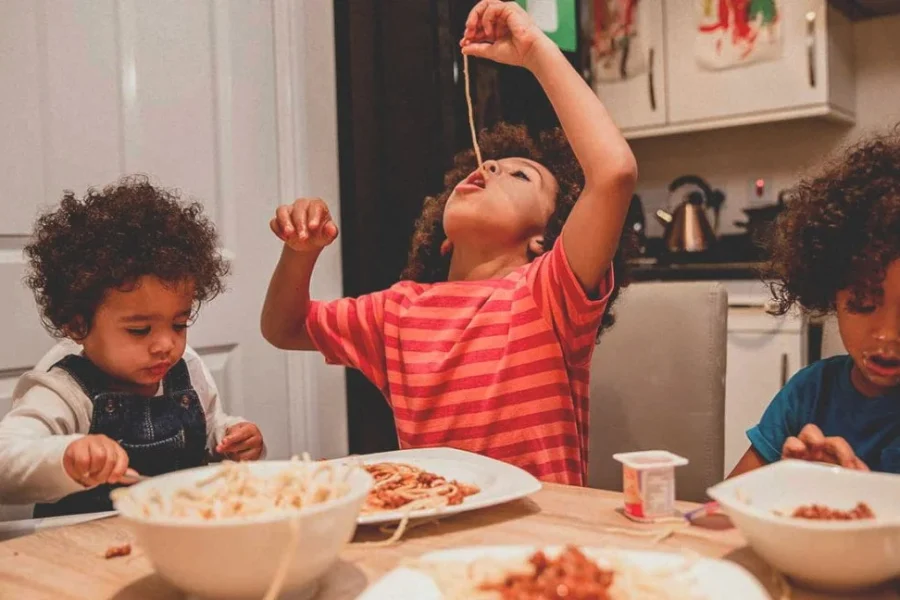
x,y
551,149
109,239
840,231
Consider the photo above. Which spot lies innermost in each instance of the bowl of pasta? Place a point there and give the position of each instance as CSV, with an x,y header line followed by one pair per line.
x,y
248,530
824,527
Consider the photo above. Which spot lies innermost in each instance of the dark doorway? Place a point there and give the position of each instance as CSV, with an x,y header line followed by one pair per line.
x,y
401,118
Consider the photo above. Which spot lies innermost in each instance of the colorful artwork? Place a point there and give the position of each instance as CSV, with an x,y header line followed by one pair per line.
x,y
732,33
617,52
557,19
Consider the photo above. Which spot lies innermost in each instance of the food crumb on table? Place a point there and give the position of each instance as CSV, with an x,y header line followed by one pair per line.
x,y
116,551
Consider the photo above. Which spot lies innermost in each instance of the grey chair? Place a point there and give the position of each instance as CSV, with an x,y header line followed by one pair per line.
x,y
658,383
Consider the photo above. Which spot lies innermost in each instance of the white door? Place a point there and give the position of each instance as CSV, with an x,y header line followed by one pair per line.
x,y
639,100
206,96
796,78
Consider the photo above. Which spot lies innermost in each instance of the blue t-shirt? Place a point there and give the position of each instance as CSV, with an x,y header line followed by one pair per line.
x,y
824,395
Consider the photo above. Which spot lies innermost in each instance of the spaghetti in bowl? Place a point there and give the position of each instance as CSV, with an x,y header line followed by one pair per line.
x,y
236,531
781,509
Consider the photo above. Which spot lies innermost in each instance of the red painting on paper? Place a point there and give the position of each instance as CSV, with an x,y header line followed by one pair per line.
x,y
617,51
733,33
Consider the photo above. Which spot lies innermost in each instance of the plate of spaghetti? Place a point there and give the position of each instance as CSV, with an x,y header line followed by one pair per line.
x,y
428,482
512,572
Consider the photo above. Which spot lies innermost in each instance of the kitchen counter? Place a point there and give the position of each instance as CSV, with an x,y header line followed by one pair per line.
x,y
652,270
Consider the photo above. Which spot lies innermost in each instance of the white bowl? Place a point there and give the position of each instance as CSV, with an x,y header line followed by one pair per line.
x,y
826,555
237,558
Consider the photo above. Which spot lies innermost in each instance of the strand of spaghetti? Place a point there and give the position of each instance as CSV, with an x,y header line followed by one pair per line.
x,y
471,112
404,525
656,535
285,562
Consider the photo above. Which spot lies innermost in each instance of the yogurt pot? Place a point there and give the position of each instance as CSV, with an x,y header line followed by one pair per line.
x,y
648,483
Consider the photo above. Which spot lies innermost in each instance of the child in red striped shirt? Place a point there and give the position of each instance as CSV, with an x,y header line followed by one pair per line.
x,y
486,343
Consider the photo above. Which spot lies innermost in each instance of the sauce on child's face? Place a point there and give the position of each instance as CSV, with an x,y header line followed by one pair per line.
x,y
870,330
139,333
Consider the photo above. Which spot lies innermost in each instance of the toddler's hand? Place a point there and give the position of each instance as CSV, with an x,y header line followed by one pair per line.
x,y
305,225
94,460
243,441
812,445
502,32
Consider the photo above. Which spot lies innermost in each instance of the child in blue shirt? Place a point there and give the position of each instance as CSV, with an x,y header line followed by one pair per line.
x,y
837,250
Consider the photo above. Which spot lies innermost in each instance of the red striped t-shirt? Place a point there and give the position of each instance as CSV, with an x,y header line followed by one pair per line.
x,y
500,367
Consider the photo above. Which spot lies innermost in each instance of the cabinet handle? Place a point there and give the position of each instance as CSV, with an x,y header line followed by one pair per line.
x,y
784,370
650,88
811,47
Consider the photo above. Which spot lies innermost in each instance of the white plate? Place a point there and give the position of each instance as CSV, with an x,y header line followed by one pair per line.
x,y
499,482
715,579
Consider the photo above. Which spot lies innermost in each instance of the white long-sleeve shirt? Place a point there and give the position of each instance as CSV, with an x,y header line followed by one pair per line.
x,y
50,411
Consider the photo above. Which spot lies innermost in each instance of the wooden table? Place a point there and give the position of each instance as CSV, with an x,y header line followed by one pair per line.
x,y
68,563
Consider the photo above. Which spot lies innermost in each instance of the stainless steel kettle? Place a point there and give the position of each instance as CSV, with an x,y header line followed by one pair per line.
x,y
687,228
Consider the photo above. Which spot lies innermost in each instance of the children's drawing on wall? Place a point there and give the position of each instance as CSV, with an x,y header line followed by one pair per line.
x,y
617,52
733,33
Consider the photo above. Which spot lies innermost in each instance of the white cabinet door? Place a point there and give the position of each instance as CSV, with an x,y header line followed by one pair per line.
x,y
762,356
638,101
796,78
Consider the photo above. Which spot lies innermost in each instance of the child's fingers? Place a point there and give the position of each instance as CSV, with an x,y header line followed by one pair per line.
x,y
254,441
478,49
276,229
474,20
98,460
330,230
298,221
105,473
843,454
111,451
249,454
120,466
793,448
859,465
282,224
77,462
492,14
237,436
316,214
813,437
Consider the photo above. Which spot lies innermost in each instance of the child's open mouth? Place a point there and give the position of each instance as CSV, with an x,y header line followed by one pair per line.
x,y
884,365
472,183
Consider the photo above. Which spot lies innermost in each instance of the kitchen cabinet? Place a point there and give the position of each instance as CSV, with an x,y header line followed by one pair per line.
x,y
639,101
764,352
811,75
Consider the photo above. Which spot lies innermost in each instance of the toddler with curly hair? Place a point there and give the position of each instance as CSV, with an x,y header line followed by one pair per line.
x,y
486,344
837,250
120,274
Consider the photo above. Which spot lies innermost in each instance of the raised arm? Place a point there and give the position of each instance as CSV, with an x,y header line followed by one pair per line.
x,y
503,32
306,228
